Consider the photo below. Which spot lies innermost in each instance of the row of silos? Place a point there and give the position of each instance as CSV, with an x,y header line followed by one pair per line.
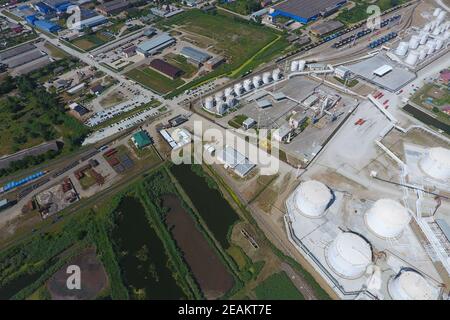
x,y
298,65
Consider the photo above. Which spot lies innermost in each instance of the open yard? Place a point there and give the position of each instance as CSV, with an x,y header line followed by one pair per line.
x,y
277,287
91,41
154,80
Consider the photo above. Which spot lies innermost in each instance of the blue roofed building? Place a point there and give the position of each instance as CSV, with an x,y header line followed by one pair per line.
x,y
46,25
150,47
43,8
304,11
59,6
31,19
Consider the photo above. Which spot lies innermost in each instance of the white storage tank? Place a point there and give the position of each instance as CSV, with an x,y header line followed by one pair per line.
x,y
228,92
436,12
276,74
402,49
422,53
436,163
431,45
256,81
441,16
219,97
231,101
414,42
436,31
412,58
248,84
349,255
221,107
266,77
387,218
294,66
427,27
439,43
209,103
312,198
446,35
423,37
301,65
238,89
409,284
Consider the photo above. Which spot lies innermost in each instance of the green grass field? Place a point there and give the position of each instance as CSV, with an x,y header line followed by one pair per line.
x,y
154,80
91,41
278,287
359,11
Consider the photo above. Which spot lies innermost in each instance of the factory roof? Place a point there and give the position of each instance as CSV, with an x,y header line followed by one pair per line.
x,y
166,68
307,8
141,139
194,54
16,51
24,58
264,103
155,43
326,27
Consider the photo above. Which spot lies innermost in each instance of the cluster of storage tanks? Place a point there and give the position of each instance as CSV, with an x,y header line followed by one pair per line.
x,y
350,255
298,65
431,39
222,101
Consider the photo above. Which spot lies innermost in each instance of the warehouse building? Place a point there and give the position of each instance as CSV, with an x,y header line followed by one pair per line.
x,y
113,7
141,139
150,47
165,68
304,11
60,6
47,26
234,160
326,27
43,8
199,57
8,54
88,19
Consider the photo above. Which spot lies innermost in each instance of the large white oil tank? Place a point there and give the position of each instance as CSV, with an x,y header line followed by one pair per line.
x,y
414,42
247,84
446,35
409,284
301,65
221,107
431,45
412,58
402,49
387,218
439,43
231,101
219,97
266,77
294,66
422,53
276,74
427,27
256,81
349,255
436,163
436,31
209,103
228,92
423,37
436,12
441,16
312,198
238,89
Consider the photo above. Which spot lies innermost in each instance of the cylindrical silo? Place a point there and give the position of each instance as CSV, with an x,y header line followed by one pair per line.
x,y
441,16
436,12
349,255
436,163
312,198
427,27
409,284
209,103
266,77
423,37
431,46
387,218
228,91
294,66
412,58
218,97
301,65
446,35
238,89
414,42
248,85
436,31
221,107
439,43
231,101
422,53
402,49
276,74
257,81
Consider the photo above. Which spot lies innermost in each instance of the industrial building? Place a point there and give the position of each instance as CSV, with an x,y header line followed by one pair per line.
x,y
47,26
326,27
88,19
141,139
113,7
195,55
60,6
304,11
165,68
150,47
234,160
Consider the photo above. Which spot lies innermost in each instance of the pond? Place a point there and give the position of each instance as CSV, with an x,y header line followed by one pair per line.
x,y
217,213
208,269
141,255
